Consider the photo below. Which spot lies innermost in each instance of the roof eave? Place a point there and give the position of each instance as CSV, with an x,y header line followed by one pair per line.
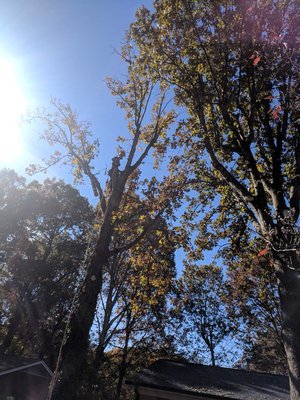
x,y
22,367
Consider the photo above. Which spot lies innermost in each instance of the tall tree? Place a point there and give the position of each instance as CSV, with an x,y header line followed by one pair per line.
x,y
139,98
234,66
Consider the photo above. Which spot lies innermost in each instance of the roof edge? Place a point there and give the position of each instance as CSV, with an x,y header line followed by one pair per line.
x,y
159,387
22,367
216,366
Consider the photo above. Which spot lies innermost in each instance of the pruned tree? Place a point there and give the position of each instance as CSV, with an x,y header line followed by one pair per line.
x,y
139,97
234,66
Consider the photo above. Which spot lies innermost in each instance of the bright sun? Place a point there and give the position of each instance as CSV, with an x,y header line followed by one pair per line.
x,y
12,104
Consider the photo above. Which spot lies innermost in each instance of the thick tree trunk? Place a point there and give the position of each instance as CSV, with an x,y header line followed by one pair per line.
x,y
288,271
74,350
66,383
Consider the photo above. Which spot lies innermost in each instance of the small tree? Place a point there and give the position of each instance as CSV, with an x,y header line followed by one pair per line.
x,y
201,313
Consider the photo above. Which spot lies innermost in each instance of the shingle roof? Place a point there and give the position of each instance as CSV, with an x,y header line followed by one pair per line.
x,y
214,382
10,363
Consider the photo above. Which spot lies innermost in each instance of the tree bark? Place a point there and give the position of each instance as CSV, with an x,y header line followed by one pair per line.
x,y
212,357
66,383
74,350
288,273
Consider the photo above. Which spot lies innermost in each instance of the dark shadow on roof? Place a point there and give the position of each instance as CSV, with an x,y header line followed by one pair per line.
x,y
215,382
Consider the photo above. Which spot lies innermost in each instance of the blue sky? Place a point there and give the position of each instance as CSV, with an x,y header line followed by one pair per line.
x,y
65,49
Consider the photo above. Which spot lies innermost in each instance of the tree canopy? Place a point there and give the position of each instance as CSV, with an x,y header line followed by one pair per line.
x,y
211,96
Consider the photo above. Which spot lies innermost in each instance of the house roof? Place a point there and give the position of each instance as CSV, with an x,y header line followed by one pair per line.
x,y
11,363
212,382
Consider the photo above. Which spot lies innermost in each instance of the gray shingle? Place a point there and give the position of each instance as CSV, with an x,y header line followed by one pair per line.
x,y
212,381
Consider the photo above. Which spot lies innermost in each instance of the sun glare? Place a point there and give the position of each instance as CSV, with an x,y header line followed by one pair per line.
x,y
12,104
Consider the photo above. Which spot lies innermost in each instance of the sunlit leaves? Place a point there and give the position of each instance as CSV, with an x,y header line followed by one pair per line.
x,y
234,68
65,131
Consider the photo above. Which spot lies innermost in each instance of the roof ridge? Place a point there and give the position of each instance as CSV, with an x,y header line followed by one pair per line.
x,y
219,367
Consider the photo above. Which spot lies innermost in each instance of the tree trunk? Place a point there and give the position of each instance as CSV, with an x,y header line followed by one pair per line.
x,y
212,356
289,292
74,350
66,383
